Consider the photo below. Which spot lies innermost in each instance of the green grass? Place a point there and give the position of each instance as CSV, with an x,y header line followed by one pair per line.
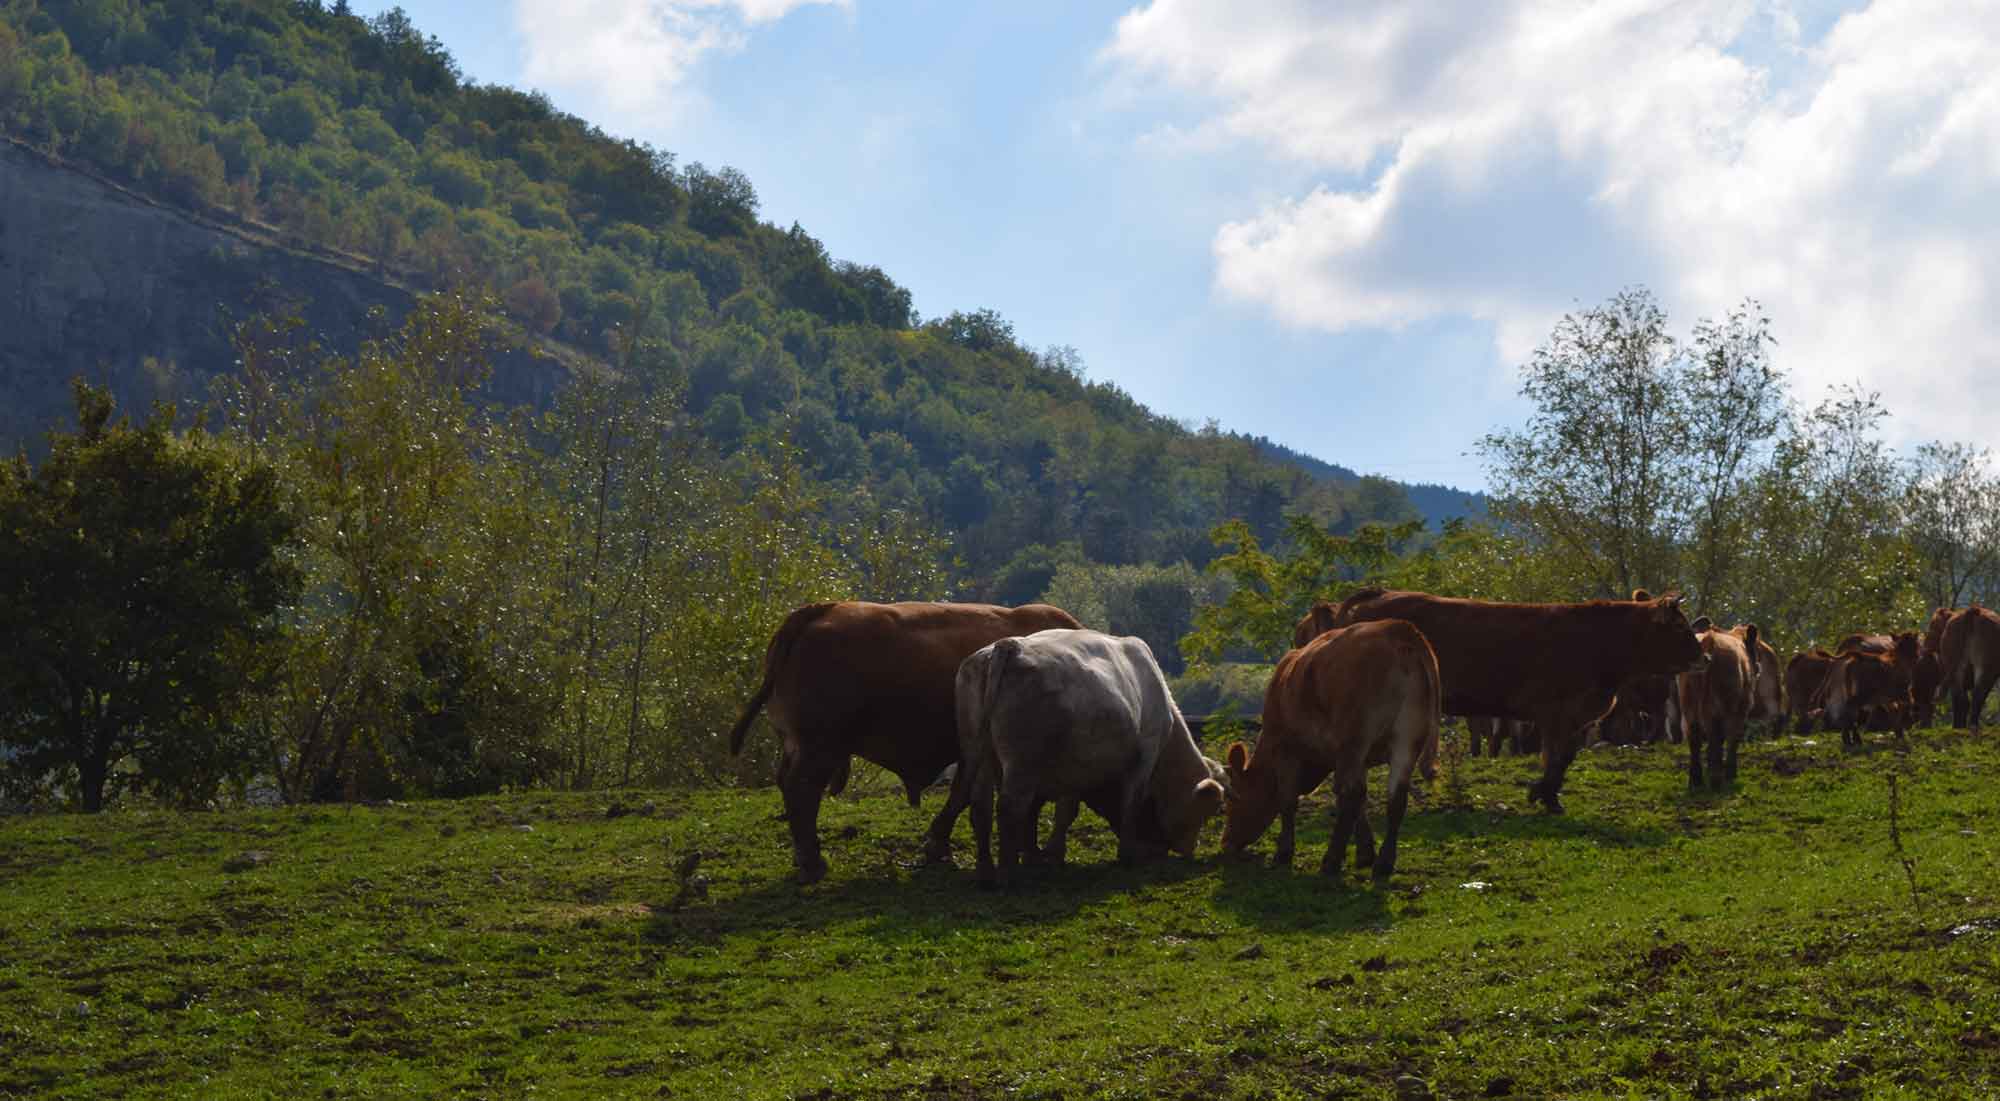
x,y
1650,944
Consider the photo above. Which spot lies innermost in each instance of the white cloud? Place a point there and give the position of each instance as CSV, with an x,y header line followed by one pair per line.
x,y
1505,159
635,55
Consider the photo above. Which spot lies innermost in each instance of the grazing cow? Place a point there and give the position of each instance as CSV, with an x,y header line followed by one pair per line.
x,y
1805,674
1350,698
1716,701
1060,714
1558,665
1969,654
1767,704
1867,684
875,680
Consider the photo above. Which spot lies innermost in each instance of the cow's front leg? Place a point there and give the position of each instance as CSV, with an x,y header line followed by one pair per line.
x,y
1288,820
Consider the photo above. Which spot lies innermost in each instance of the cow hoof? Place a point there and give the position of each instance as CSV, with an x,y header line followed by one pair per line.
x,y
812,873
936,852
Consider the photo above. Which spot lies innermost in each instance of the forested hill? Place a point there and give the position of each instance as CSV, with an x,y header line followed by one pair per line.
x,y
315,131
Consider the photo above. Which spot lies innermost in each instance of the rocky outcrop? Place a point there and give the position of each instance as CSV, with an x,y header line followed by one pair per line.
x,y
100,282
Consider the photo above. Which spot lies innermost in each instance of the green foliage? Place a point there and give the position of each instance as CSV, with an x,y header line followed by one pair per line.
x,y
1156,603
1268,591
139,572
497,599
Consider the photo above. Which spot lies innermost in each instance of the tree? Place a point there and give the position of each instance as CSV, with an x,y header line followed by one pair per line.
x,y
1951,515
138,569
1735,406
1593,470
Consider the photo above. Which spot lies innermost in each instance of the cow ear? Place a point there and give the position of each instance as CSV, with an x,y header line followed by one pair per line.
x,y
1239,758
1640,595
1702,624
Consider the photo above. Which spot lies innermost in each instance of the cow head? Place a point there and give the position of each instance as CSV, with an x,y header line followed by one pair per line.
x,y
1183,814
1316,622
1253,802
1666,641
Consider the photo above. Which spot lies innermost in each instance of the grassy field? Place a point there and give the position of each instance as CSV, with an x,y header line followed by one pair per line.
x,y
1766,942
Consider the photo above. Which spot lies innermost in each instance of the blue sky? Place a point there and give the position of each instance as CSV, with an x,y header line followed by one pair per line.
x,y
1344,225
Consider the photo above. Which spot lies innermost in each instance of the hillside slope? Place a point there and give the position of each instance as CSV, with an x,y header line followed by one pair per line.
x,y
362,148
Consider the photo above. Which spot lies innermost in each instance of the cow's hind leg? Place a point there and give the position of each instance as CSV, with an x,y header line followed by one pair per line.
x,y
804,783
1399,801
937,840
1718,738
1364,840
1017,824
1057,850
1729,759
980,799
1976,706
1695,737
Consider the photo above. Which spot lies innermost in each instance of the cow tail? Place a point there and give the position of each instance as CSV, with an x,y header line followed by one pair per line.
x,y
775,656
989,695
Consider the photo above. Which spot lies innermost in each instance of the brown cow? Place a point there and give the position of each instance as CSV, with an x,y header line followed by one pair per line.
x,y
1804,675
851,678
1716,701
1908,649
1868,684
1969,654
1768,703
1559,665
1350,698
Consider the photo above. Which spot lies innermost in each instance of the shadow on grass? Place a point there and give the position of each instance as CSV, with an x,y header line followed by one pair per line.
x,y
899,900
1299,898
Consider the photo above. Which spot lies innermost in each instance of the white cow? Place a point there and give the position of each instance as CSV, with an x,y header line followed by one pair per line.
x,y
1060,715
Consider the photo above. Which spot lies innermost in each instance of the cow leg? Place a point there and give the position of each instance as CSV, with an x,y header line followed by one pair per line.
x,y
1348,805
1729,761
1717,736
1129,849
1399,800
1976,707
1288,820
1364,840
1694,740
804,783
1561,738
1959,698
980,798
1057,850
937,840
1017,827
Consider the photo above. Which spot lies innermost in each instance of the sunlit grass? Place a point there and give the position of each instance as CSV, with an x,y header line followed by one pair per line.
x,y
1651,943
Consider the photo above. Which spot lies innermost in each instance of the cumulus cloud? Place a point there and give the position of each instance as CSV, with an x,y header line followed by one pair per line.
x,y
635,54
1506,159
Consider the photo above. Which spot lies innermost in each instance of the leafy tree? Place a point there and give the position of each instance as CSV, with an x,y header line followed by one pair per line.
x,y
139,569
1951,515
1594,468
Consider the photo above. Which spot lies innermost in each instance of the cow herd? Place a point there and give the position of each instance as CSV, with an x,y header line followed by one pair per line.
x,y
1034,709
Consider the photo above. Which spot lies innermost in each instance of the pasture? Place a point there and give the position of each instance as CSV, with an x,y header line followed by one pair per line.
x,y
1762,942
